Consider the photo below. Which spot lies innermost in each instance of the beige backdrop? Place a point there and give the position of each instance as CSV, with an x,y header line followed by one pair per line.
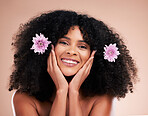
x,y
128,17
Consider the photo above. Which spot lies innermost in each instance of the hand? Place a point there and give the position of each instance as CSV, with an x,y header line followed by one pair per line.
x,y
82,74
55,73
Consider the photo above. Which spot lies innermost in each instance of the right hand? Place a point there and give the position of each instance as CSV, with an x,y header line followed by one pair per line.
x,y
55,72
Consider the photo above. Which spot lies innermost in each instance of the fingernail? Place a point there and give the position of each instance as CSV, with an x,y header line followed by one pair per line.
x,y
94,52
92,57
52,47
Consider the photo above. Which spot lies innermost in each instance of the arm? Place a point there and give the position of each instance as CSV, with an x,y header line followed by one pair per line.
x,y
25,106
74,104
102,106
59,105
74,86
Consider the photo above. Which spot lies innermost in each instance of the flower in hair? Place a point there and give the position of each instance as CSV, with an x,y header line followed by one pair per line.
x,y
111,52
40,43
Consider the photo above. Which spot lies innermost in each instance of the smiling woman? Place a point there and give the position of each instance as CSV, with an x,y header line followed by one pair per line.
x,y
74,66
72,52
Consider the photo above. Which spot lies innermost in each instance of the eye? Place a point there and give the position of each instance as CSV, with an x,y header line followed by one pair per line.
x,y
83,47
64,43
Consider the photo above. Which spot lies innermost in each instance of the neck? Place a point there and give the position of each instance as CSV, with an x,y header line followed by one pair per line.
x,y
69,78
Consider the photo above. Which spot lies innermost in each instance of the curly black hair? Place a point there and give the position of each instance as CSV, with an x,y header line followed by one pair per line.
x,y
30,69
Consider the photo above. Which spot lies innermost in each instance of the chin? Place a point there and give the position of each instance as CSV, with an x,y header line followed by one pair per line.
x,y
69,73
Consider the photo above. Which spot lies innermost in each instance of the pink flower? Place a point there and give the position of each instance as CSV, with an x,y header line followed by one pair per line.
x,y
40,43
111,52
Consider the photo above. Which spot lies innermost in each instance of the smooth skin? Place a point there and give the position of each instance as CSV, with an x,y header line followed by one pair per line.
x,y
67,100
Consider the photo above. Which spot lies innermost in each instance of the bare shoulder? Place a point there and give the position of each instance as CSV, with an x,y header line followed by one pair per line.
x,y
23,98
24,104
102,105
103,99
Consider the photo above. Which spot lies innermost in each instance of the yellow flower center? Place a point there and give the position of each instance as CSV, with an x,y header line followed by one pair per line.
x,y
110,52
40,44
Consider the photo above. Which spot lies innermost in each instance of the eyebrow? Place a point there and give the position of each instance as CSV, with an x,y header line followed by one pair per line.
x,y
78,40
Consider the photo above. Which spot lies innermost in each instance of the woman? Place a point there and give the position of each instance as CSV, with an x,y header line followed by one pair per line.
x,y
70,64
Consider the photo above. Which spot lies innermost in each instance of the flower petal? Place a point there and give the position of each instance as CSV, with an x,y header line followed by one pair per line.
x,y
40,44
111,52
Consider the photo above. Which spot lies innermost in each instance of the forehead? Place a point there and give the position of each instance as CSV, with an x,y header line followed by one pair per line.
x,y
77,33
69,38
74,32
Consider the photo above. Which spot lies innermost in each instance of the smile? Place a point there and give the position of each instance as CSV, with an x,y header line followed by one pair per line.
x,y
69,62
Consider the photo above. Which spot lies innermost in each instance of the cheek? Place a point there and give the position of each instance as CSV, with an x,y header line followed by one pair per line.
x,y
57,53
58,50
85,56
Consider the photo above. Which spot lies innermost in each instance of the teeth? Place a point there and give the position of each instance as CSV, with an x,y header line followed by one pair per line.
x,y
69,61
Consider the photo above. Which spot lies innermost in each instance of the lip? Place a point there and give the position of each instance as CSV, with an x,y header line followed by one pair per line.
x,y
70,60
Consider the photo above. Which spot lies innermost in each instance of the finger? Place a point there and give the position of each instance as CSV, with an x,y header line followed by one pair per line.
x,y
50,60
84,70
91,58
88,62
89,66
51,65
52,47
93,53
54,60
83,73
52,56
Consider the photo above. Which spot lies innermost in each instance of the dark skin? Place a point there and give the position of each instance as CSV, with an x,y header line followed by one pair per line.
x,y
67,100
26,105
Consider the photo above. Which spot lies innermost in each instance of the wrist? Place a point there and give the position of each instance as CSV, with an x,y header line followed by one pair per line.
x,y
72,87
62,88
62,91
73,92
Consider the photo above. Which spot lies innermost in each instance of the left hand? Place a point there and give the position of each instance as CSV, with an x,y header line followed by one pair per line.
x,y
82,74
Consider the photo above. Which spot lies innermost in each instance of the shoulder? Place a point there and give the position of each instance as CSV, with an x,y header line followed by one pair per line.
x,y
20,97
102,106
103,99
24,104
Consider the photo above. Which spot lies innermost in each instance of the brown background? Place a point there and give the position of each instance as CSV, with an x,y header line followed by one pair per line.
x,y
128,17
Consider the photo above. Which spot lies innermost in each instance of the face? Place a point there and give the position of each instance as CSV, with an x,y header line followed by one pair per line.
x,y
72,52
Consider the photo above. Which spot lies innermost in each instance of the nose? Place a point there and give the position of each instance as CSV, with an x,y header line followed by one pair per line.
x,y
71,51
